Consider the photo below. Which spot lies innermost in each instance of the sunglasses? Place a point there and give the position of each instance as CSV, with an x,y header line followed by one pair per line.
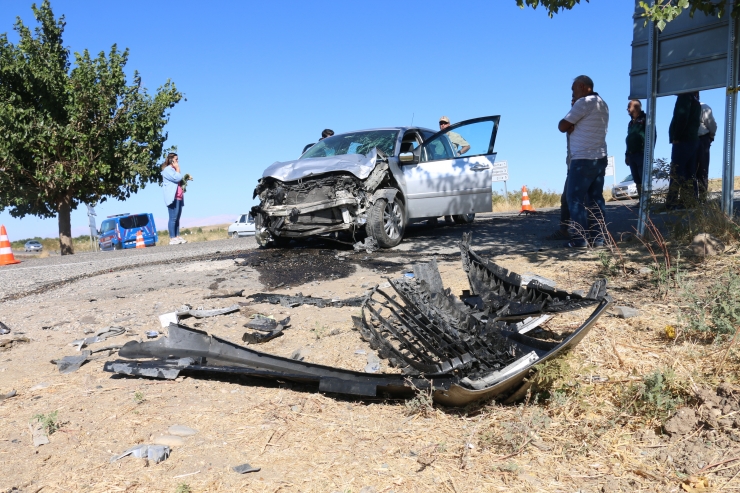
x,y
444,123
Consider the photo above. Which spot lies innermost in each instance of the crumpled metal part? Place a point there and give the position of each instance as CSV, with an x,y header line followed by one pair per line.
x,y
155,453
293,301
201,313
100,336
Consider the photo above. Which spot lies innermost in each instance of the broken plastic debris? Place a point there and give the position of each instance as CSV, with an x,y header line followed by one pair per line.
x,y
410,275
266,324
168,318
100,336
4,329
200,313
38,434
155,453
369,244
298,300
10,394
626,312
233,294
70,364
151,334
373,364
528,276
245,468
260,337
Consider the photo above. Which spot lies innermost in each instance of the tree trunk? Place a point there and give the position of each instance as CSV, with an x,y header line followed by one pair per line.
x,y
64,215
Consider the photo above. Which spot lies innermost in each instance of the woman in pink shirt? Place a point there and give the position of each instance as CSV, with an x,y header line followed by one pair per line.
x,y
173,196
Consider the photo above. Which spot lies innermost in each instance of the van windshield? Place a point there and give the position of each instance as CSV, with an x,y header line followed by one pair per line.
x,y
137,221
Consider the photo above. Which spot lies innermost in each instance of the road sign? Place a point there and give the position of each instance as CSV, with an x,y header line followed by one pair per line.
x,y
610,166
500,178
499,169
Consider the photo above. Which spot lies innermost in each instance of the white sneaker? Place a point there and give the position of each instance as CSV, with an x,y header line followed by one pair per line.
x,y
182,240
175,241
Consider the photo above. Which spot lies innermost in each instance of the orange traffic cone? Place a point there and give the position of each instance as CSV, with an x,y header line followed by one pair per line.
x,y
140,240
526,206
6,253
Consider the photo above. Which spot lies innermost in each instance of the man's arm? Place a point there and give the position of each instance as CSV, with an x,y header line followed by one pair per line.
x,y
711,123
577,111
566,126
680,115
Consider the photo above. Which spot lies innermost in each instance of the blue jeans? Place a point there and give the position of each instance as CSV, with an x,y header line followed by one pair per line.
x,y
683,173
175,211
586,191
636,162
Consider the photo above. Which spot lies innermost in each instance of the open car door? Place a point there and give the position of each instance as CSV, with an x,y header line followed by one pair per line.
x,y
451,173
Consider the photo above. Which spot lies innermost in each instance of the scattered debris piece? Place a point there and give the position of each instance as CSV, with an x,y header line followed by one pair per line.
x,y
266,324
181,431
361,352
626,312
300,354
151,334
155,453
262,337
8,395
168,318
465,349
201,313
233,294
100,336
706,245
4,329
169,440
373,364
8,344
528,276
38,434
245,468
70,364
369,244
298,300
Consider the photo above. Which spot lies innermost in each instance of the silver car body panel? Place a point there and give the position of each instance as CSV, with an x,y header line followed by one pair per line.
x,y
357,164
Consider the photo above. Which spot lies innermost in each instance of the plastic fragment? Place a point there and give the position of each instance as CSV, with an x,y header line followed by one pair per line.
x,y
155,453
626,312
245,468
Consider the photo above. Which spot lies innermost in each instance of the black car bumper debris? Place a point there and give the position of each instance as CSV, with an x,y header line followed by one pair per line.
x,y
477,346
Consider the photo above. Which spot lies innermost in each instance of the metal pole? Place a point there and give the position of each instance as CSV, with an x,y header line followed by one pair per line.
x,y
652,91
506,194
728,162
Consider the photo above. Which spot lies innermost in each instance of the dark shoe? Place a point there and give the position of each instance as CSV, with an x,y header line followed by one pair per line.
x,y
576,244
558,235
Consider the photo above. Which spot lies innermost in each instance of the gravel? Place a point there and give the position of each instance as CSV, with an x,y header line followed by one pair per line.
x,y
36,274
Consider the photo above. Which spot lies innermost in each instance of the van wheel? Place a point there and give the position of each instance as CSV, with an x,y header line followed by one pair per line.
x,y
386,222
235,234
464,218
117,246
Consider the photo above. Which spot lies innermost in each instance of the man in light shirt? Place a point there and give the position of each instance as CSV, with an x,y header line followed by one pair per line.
x,y
707,131
586,123
461,145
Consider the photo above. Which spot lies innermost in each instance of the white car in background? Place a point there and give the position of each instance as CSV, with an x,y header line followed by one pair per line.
x,y
627,188
244,226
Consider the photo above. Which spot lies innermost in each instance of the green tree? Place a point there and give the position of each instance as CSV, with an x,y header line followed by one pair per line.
x,y
661,12
73,134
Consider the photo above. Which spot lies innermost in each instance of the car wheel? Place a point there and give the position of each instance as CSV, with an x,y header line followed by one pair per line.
x,y
464,218
386,222
117,246
235,234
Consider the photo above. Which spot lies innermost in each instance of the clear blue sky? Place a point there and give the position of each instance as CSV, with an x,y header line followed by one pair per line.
x,y
262,79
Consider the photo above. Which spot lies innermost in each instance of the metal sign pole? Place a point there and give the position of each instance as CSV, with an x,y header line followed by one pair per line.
x,y
652,92
728,164
506,194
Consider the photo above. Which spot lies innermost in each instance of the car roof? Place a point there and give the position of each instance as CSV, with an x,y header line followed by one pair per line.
x,y
386,128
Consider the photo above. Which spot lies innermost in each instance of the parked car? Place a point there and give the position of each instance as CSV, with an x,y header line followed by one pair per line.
x,y
376,181
33,246
627,188
119,231
244,226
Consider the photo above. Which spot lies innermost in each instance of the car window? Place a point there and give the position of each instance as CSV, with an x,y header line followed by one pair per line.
x,y
243,218
436,149
628,178
107,226
137,221
250,218
354,143
142,220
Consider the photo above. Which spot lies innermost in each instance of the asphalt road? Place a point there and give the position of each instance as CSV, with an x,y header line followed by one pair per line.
x,y
493,234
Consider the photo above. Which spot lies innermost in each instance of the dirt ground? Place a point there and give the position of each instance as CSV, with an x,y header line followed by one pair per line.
x,y
305,441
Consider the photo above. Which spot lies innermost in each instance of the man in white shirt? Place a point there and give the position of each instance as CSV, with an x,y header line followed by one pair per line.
x,y
707,131
586,123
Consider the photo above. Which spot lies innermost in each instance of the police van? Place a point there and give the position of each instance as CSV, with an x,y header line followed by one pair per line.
x,y
120,231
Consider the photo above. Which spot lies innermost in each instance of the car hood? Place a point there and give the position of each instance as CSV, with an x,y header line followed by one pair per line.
x,y
359,165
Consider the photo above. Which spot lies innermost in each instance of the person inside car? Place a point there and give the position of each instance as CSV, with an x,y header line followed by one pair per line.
x,y
326,133
461,145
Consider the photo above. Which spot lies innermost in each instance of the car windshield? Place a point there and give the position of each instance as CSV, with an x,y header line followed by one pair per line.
x,y
354,143
137,221
628,178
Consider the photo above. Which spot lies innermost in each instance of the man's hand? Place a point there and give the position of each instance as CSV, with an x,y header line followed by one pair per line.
x,y
566,126
464,150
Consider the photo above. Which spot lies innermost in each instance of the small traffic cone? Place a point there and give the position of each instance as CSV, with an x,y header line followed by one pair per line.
x,y
526,206
6,253
140,240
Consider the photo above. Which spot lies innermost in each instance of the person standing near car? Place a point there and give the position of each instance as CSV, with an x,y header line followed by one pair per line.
x,y
587,123
562,232
707,131
460,145
635,154
173,196
684,136
326,133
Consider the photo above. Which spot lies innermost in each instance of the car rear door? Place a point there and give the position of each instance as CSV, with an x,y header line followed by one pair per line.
x,y
447,181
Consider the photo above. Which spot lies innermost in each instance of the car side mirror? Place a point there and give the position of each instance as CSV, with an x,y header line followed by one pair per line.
x,y
407,158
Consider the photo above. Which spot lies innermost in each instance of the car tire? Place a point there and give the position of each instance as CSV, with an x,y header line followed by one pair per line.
x,y
117,246
464,218
386,222
235,234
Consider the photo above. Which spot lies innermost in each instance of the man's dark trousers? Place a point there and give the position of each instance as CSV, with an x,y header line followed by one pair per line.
x,y
636,161
586,190
683,173
564,212
701,183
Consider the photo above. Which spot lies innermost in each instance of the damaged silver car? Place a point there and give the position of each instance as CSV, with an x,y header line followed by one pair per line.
x,y
373,183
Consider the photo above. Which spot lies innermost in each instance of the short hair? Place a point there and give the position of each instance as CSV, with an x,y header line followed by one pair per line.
x,y
637,102
327,133
585,80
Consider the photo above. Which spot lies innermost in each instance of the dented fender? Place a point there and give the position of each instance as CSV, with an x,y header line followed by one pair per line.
x,y
388,194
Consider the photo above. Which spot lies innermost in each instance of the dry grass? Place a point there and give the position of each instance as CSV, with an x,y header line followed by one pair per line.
x,y
715,184
197,234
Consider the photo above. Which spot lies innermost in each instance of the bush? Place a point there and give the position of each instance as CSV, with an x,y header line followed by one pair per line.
x,y
715,310
657,396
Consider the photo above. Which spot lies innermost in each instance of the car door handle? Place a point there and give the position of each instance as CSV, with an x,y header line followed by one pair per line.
x,y
480,167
